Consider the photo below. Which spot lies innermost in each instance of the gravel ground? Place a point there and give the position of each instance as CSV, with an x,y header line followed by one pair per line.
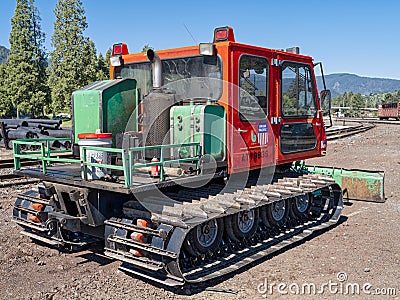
x,y
4,154
363,250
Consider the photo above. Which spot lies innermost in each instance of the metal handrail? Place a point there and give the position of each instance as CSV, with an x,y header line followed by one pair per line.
x,y
128,165
162,162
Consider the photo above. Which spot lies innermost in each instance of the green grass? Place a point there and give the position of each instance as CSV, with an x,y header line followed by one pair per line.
x,y
66,123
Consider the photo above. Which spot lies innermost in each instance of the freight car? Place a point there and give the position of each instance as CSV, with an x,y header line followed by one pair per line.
x,y
389,111
185,170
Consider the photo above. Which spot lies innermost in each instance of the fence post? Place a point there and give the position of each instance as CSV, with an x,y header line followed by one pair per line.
x,y
83,162
16,152
162,164
48,151
198,151
44,161
126,163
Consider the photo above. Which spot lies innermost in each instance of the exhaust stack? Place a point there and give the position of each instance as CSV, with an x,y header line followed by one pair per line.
x,y
156,66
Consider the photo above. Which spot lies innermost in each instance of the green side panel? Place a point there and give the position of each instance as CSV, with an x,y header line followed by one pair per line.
x,y
119,102
86,117
108,105
204,124
214,140
356,184
181,132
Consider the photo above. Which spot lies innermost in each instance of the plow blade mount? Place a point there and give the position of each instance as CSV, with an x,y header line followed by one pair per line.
x,y
356,184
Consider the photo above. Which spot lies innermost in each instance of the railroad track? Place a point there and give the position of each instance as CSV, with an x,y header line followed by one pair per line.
x,y
8,163
7,180
339,132
372,121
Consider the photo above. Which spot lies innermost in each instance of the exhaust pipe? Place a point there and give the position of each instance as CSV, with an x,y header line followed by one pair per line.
x,y
156,66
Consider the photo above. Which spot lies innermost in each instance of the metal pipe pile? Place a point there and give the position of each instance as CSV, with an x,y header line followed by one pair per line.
x,y
12,129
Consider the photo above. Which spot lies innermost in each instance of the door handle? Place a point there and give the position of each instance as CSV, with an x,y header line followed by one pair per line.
x,y
242,130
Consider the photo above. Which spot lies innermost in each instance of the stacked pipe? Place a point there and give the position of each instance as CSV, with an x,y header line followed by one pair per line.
x,y
12,129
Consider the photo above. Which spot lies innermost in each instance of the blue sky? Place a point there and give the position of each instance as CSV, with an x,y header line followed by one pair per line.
x,y
353,36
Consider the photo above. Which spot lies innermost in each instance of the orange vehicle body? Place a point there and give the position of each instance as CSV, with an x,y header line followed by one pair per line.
x,y
245,149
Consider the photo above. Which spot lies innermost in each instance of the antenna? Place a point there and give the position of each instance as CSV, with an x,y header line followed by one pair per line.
x,y
187,29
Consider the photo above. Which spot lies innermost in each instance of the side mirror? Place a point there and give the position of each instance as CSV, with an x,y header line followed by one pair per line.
x,y
326,101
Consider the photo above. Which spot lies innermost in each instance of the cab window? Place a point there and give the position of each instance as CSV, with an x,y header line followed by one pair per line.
x,y
253,84
297,91
189,77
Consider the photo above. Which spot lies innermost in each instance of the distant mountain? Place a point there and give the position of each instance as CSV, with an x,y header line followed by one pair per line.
x,y
4,52
343,82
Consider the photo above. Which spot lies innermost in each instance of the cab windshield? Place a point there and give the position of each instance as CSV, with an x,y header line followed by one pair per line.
x,y
190,77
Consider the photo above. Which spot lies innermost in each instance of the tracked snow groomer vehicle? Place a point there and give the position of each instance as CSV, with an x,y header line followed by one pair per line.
x,y
184,161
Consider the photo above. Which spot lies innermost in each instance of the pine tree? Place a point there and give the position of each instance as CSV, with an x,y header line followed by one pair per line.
x,y
146,47
5,103
389,98
103,66
108,56
73,61
26,80
42,95
357,102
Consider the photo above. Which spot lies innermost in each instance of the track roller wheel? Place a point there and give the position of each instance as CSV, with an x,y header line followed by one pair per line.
x,y
301,205
276,213
242,224
205,237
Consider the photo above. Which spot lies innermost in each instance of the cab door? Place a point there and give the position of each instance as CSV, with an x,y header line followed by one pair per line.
x,y
300,124
251,134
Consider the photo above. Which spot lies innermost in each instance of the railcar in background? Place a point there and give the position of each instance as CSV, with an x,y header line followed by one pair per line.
x,y
389,110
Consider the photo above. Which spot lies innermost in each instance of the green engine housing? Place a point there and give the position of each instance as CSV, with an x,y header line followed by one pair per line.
x,y
106,105
201,123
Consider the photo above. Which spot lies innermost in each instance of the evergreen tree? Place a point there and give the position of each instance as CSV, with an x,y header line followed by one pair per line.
x,y
146,47
103,66
26,81
357,102
73,61
389,98
108,56
5,103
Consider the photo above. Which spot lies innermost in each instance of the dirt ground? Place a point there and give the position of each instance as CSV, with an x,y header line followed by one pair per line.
x,y
362,251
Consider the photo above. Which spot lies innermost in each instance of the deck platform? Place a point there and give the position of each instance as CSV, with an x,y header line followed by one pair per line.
x,y
70,174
